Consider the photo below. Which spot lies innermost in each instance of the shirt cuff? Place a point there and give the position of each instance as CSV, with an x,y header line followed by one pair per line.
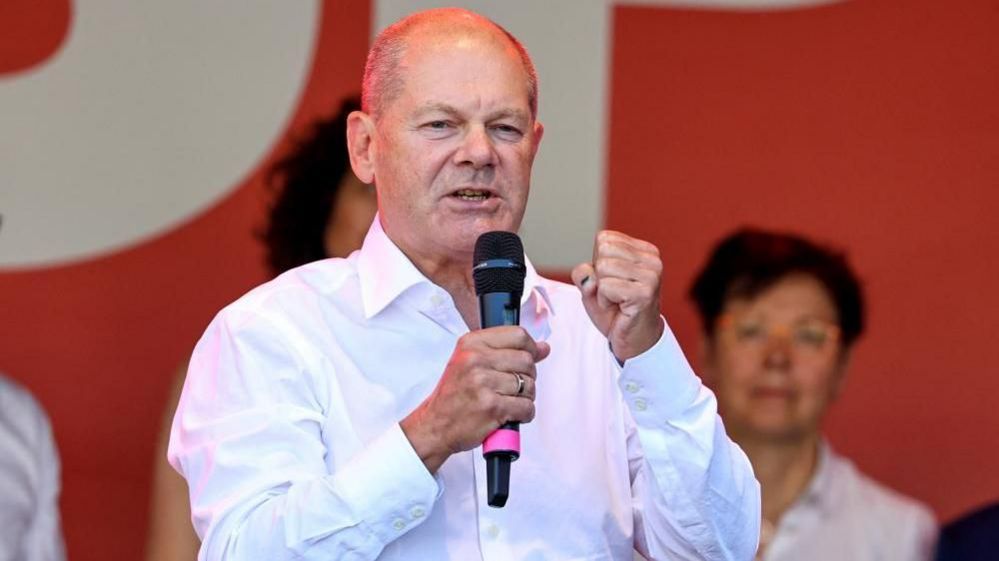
x,y
660,379
390,485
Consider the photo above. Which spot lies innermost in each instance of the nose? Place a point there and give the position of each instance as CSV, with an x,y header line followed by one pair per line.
x,y
777,354
476,148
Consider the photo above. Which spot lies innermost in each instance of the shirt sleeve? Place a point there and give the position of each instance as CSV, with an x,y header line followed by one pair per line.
x,y
694,493
247,436
922,531
44,535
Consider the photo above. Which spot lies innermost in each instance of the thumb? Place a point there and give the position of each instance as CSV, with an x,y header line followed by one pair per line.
x,y
585,279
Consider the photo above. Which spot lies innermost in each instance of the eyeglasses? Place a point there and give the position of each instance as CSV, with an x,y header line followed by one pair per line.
x,y
808,337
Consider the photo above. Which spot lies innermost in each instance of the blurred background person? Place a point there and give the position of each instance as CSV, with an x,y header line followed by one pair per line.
x,y
320,210
29,479
780,315
972,537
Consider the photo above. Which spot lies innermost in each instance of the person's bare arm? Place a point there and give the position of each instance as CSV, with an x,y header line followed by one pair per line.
x,y
170,536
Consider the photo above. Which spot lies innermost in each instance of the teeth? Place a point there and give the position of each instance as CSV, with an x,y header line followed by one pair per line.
x,y
471,195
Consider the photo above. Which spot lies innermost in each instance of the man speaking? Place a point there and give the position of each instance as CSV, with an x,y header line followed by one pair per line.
x,y
338,411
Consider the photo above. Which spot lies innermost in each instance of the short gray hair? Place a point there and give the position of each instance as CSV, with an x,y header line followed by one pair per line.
x,y
383,82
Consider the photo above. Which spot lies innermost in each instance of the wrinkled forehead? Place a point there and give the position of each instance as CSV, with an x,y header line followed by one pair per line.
x,y
444,67
434,44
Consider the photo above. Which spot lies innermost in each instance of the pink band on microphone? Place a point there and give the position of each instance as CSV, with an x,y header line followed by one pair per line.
x,y
502,440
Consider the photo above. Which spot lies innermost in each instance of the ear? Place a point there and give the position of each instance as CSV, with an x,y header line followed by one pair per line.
x,y
539,131
361,145
839,376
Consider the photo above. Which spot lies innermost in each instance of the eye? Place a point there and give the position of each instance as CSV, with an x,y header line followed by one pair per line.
x,y
507,131
811,335
437,128
749,331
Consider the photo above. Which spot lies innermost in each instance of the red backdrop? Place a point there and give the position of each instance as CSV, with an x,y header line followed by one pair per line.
x,y
99,342
871,124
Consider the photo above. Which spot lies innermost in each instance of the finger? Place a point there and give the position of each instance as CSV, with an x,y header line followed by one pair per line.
x,y
631,296
612,267
603,302
627,255
584,277
513,337
506,384
544,349
611,237
513,385
508,337
515,409
512,360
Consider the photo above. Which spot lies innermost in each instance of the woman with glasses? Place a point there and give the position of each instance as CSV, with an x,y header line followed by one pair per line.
x,y
780,315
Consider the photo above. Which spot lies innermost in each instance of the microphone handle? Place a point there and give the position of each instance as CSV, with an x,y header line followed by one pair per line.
x,y
502,446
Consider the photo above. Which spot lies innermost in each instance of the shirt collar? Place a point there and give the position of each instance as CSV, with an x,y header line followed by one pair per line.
x,y
385,273
818,493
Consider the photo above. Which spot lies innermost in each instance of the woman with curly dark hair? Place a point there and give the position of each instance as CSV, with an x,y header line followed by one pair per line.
x,y
320,210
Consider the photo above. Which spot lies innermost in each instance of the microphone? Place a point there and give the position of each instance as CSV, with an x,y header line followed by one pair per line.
x,y
498,270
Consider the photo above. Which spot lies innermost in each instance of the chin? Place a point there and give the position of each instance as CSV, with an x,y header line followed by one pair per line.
x,y
475,227
779,432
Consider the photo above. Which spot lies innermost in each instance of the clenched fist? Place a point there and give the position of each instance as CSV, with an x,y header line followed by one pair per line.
x,y
621,292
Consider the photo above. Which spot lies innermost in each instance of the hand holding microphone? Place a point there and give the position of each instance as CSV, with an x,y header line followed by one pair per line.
x,y
489,381
498,271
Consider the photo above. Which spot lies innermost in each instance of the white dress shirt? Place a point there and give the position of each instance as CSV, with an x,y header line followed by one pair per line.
x,y
844,514
288,433
29,480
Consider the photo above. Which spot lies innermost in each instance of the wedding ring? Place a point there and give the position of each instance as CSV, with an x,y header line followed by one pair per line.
x,y
520,384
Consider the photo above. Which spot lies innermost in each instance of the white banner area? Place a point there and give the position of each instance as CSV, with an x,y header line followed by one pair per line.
x,y
149,113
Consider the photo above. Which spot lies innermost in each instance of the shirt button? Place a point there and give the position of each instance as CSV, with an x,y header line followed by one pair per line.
x,y
631,387
641,405
492,531
436,300
417,512
399,524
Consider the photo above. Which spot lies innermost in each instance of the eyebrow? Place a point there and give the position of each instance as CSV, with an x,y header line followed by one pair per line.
x,y
451,110
436,107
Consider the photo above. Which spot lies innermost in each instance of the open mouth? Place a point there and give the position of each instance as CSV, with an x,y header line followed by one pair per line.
x,y
471,195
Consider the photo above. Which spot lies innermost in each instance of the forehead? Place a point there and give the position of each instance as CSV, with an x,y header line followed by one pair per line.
x,y
466,69
792,297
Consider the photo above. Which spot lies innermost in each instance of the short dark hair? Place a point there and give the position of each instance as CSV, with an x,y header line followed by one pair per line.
x,y
305,183
751,260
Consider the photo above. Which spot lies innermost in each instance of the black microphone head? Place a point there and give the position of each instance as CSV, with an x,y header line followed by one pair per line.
x,y
498,263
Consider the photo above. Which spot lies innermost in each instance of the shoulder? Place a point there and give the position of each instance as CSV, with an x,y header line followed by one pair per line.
x,y
897,516
17,402
309,281
295,291
973,534
21,414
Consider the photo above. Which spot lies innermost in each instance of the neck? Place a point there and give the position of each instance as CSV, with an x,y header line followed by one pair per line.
x,y
457,281
452,272
784,470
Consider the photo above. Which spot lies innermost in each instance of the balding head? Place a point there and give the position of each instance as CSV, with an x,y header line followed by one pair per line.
x,y
384,73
